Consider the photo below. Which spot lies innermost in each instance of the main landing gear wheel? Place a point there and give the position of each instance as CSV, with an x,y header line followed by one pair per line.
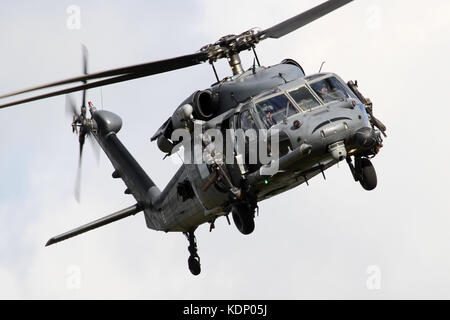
x,y
194,259
243,218
194,265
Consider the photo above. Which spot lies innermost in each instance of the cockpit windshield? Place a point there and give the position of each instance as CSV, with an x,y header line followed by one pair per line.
x,y
274,110
330,89
304,98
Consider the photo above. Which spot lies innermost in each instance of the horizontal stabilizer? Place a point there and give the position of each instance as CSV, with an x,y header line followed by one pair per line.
x,y
96,224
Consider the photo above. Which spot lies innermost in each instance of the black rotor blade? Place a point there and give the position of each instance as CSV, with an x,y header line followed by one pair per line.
x,y
77,88
82,139
142,70
85,59
70,106
85,71
77,189
302,19
95,147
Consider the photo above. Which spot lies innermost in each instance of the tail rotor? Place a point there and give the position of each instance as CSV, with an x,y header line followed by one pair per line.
x,y
81,125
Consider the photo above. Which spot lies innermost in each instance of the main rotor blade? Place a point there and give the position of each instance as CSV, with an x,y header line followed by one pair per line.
x,y
302,19
144,69
157,67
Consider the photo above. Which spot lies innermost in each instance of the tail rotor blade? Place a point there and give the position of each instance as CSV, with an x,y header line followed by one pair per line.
x,y
85,72
82,139
95,147
78,179
85,60
70,105
78,182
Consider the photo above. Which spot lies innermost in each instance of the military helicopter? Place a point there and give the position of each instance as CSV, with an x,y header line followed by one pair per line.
x,y
311,122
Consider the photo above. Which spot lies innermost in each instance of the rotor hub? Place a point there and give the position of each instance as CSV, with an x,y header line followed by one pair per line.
x,y
232,44
229,47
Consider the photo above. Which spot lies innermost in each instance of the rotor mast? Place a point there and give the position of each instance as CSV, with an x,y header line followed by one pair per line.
x,y
235,63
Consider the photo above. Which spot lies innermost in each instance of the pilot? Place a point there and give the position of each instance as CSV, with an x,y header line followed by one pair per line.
x,y
268,116
338,93
324,93
265,113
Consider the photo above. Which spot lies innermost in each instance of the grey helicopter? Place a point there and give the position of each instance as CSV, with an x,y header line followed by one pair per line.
x,y
292,127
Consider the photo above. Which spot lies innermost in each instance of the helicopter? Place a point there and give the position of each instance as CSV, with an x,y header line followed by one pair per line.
x,y
281,128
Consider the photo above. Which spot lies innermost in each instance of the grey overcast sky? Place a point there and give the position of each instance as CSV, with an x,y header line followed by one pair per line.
x,y
321,241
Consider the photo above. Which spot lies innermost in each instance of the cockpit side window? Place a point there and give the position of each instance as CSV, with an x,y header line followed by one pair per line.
x,y
304,98
330,89
274,110
246,121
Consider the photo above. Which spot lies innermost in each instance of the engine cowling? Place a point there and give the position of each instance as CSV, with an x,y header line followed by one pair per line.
x,y
205,104
201,105
292,62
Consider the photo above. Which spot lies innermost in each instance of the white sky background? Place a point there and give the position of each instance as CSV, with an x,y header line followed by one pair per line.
x,y
310,242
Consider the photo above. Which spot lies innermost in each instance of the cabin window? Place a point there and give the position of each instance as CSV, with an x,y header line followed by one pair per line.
x,y
274,110
304,98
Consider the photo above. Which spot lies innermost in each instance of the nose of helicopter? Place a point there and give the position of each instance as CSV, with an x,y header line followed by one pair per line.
x,y
336,130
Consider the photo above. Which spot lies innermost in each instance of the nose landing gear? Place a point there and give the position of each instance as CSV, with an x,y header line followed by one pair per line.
x,y
243,209
364,172
243,218
194,259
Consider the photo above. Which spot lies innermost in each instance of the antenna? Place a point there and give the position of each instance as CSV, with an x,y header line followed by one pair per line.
x,y
323,62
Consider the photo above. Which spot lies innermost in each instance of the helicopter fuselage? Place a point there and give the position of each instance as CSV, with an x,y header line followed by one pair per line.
x,y
316,131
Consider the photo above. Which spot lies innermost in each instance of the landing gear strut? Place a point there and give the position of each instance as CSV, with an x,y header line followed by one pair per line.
x,y
364,172
194,259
